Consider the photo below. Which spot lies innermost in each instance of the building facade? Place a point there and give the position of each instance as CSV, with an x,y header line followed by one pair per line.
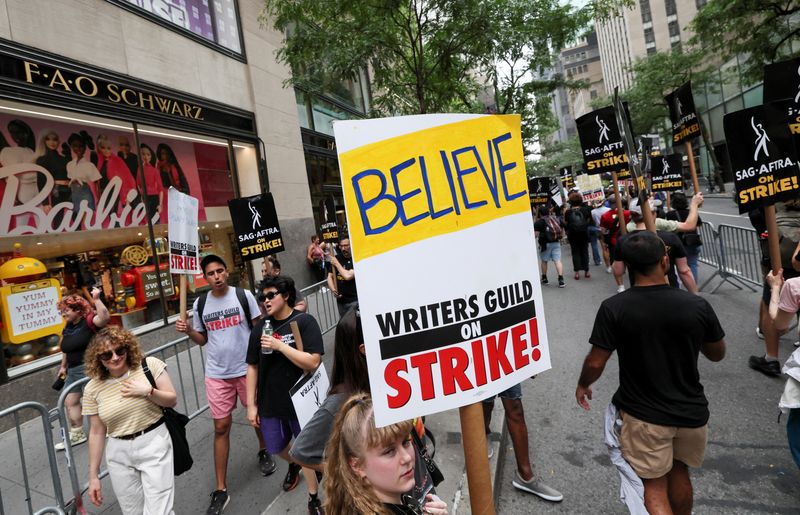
x,y
104,104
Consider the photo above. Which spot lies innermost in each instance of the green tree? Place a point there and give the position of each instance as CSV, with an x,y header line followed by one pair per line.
x,y
764,30
556,156
428,55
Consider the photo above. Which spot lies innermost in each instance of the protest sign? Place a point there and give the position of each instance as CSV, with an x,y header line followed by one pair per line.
x,y
683,115
567,180
415,188
762,155
590,186
30,310
308,393
666,172
328,227
556,193
183,238
539,188
255,223
782,82
601,143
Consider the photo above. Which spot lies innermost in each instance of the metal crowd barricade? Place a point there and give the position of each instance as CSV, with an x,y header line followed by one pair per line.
x,y
322,305
44,416
186,364
735,252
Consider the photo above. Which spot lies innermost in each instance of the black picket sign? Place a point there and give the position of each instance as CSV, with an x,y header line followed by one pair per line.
x,y
601,143
567,179
782,81
683,115
255,223
328,227
667,172
762,155
539,190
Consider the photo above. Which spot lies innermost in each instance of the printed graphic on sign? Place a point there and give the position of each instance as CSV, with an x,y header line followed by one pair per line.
x,y
415,189
255,223
667,172
762,154
30,310
590,186
309,393
567,181
328,227
539,188
782,82
682,113
183,237
601,143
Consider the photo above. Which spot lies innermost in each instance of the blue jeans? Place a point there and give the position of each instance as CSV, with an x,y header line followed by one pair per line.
x,y
793,433
594,233
692,255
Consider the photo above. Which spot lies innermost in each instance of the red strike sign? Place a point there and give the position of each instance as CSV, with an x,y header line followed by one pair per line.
x,y
177,262
487,359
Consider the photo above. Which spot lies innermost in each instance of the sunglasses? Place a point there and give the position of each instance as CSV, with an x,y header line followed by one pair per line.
x,y
119,351
269,295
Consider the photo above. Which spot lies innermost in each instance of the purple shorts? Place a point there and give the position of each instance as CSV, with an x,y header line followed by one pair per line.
x,y
278,432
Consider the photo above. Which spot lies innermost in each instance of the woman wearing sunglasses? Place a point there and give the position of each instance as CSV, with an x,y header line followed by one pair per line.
x,y
122,405
368,470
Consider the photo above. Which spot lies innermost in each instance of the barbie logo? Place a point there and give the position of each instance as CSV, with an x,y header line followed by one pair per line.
x,y
32,217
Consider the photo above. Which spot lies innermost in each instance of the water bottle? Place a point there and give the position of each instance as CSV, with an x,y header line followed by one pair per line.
x,y
267,331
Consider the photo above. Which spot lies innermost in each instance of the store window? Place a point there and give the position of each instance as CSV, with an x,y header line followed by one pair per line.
x,y
214,21
81,194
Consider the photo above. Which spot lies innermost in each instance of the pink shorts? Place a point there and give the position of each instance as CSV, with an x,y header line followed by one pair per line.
x,y
222,393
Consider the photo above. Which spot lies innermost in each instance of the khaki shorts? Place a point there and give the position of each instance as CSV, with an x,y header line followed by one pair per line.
x,y
650,448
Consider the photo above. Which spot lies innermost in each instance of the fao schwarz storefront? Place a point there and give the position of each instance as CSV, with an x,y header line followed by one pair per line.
x,y
86,159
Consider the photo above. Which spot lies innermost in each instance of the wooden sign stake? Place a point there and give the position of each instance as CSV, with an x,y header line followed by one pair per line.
x,y
620,211
183,297
690,155
479,481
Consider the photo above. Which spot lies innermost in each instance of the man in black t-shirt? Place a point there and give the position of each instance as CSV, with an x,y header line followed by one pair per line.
x,y
342,279
274,364
678,258
658,332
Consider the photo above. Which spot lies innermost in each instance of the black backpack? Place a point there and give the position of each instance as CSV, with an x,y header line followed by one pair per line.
x,y
240,294
577,221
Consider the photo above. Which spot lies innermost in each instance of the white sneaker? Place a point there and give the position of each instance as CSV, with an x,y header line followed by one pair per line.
x,y
608,270
491,450
620,288
76,437
759,333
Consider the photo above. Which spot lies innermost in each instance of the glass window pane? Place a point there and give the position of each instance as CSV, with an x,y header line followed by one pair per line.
x,y
734,104
302,109
730,79
754,97
325,113
715,115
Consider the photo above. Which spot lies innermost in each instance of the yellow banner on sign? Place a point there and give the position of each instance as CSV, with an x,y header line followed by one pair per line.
x,y
433,182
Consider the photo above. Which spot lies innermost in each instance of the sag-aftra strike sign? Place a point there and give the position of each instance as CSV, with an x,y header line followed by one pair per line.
x,y
683,115
601,142
762,154
442,330
666,172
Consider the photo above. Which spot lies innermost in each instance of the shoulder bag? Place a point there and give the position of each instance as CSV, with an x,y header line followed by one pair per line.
x,y
176,425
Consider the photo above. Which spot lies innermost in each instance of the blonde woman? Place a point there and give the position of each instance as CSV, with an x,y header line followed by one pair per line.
x,y
368,469
122,405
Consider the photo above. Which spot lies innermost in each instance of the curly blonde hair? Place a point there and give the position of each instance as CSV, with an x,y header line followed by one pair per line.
x,y
115,337
353,433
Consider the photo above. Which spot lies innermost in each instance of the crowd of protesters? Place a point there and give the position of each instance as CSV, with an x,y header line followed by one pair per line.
x,y
656,425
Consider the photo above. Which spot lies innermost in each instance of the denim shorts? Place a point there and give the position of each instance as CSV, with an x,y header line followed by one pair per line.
x,y
552,252
513,393
75,374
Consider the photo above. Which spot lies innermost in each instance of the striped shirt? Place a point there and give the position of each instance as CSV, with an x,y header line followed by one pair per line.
x,y
123,415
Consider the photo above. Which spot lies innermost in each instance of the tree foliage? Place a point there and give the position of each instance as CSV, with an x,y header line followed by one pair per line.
x,y
555,156
429,55
761,29
653,77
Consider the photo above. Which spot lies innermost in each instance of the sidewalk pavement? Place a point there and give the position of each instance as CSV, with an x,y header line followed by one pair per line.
x,y
250,492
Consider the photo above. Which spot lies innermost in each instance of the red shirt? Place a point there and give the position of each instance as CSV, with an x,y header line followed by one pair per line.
x,y
608,221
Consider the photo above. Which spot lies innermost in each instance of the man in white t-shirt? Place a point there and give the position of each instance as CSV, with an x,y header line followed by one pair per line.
x,y
221,324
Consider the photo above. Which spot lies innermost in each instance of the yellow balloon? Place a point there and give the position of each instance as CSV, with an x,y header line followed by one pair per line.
x,y
130,302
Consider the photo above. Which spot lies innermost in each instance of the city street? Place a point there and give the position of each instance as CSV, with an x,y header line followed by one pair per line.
x,y
748,467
